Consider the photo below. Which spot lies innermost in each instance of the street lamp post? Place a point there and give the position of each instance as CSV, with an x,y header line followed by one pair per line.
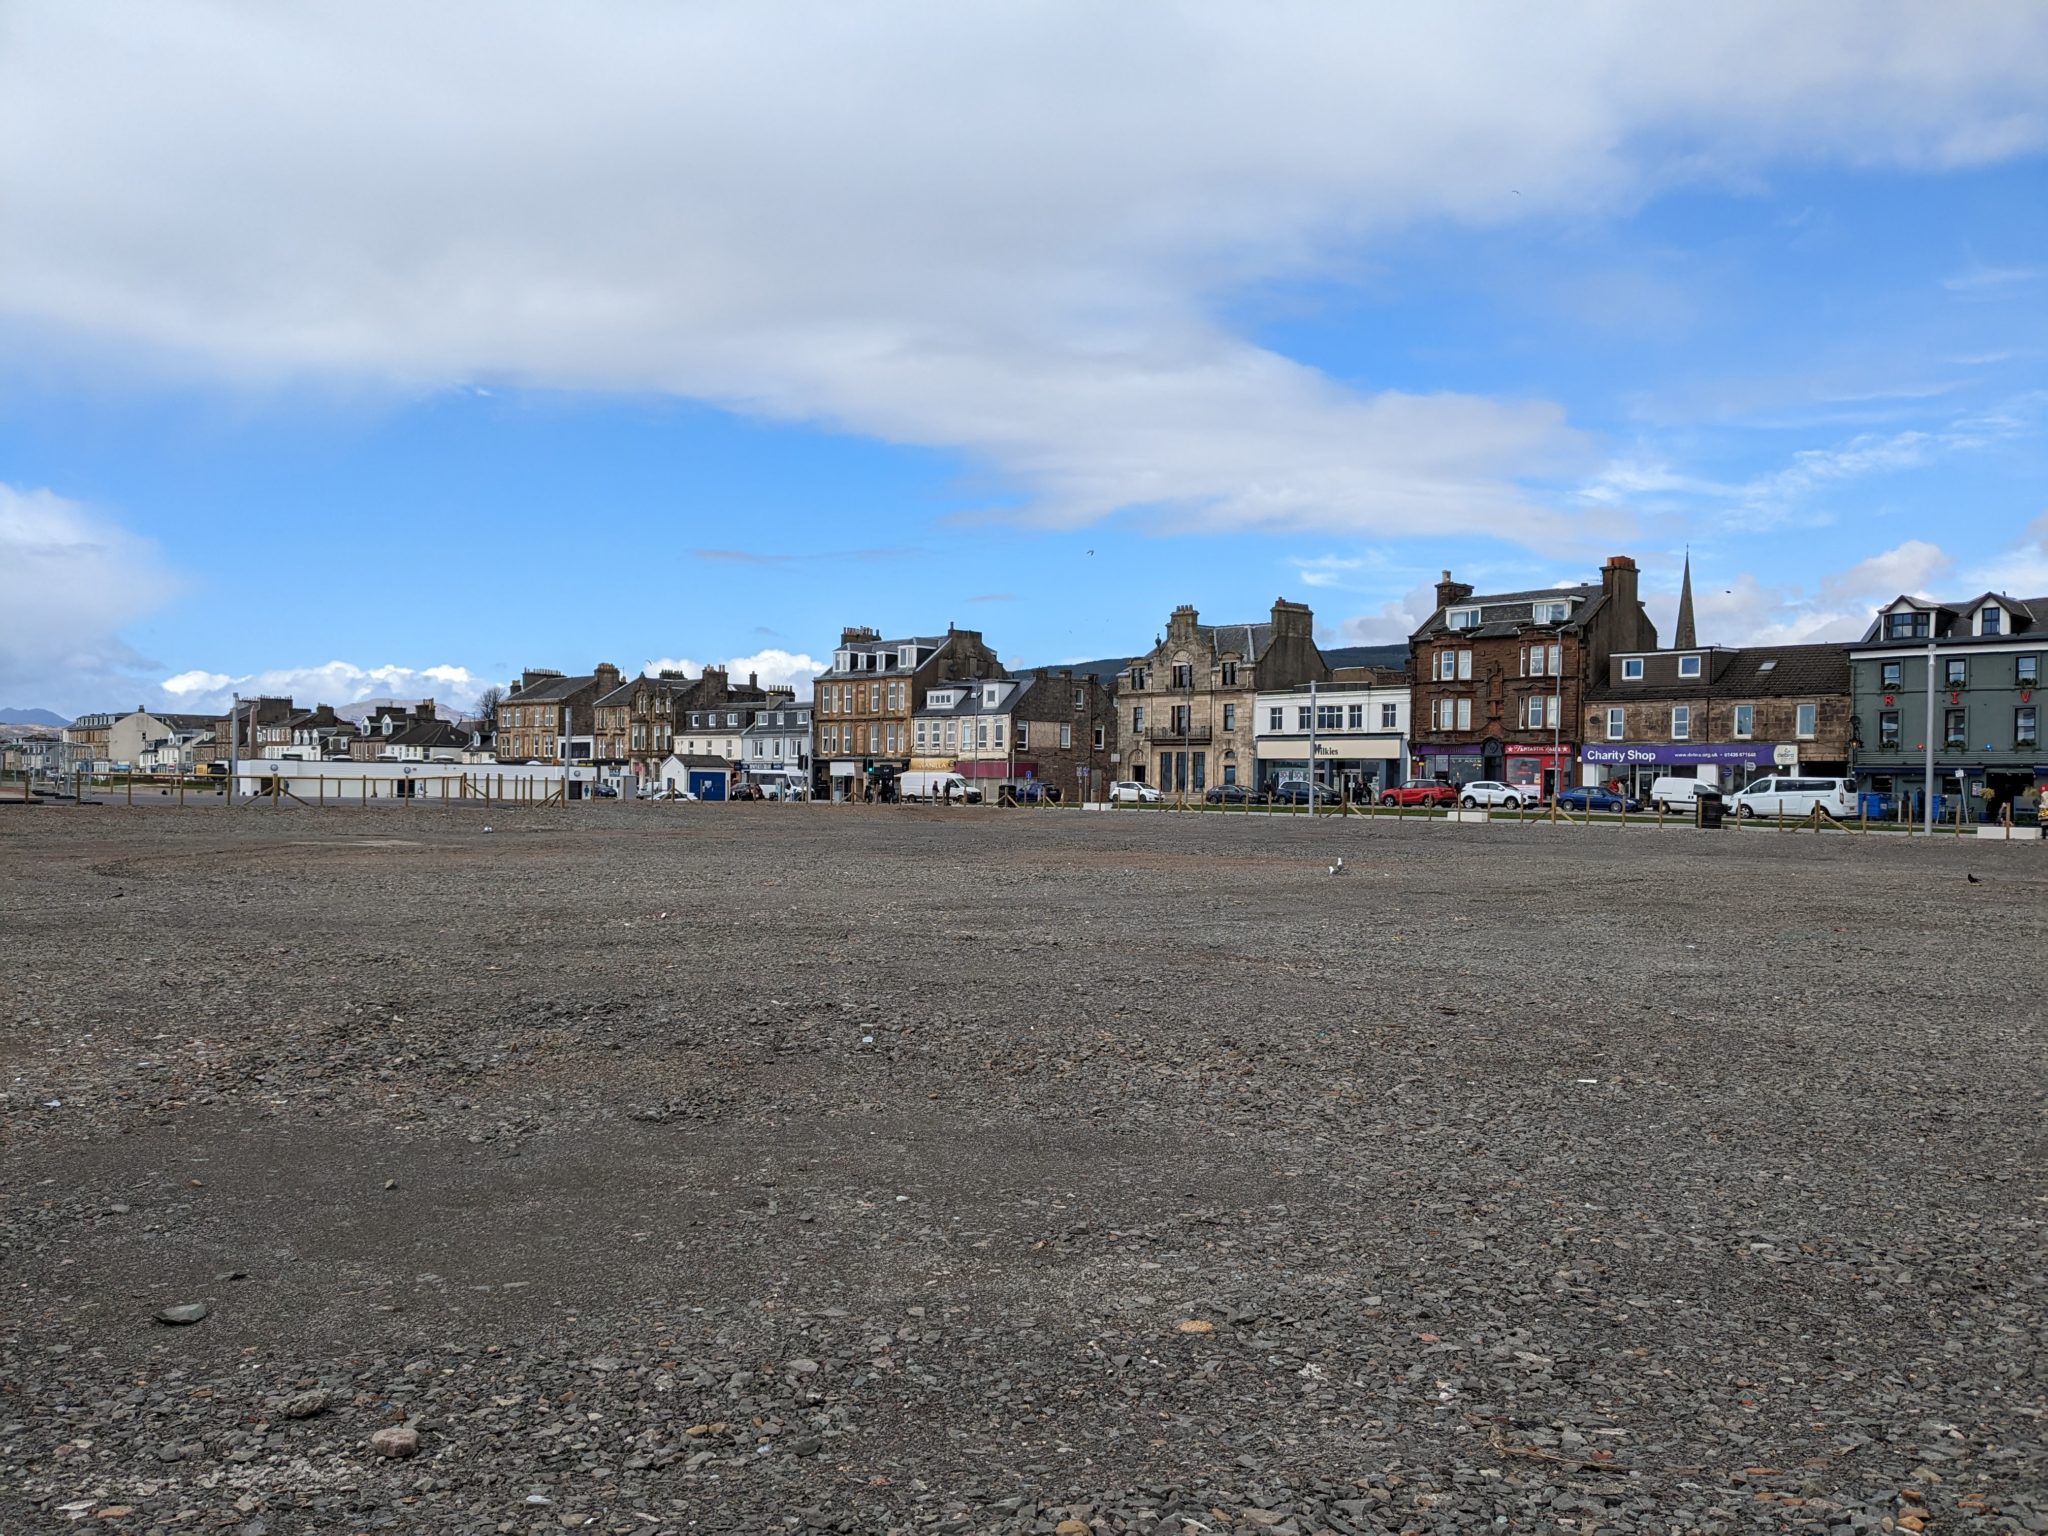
x,y
1927,788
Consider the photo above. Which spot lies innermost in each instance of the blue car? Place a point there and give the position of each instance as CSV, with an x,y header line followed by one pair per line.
x,y
1588,797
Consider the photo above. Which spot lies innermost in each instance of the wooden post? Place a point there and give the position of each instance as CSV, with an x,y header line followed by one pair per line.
x,y
131,788
181,790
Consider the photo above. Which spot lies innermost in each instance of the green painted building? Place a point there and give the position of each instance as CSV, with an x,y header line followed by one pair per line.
x,y
1986,656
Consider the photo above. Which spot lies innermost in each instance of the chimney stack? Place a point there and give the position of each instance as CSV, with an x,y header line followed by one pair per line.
x,y
1618,577
1449,591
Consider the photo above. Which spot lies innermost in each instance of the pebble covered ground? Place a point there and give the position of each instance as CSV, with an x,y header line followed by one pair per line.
x,y
758,1168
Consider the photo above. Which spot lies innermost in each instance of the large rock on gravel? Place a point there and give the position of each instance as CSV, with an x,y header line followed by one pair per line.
x,y
184,1314
397,1441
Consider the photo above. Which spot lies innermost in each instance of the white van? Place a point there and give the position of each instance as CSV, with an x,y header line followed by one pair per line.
x,y
1674,794
1796,798
941,785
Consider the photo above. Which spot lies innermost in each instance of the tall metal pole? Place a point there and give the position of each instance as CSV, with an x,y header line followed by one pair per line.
x,y
1927,789
234,748
1311,748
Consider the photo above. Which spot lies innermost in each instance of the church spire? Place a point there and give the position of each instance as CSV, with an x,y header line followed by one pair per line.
x,y
1685,639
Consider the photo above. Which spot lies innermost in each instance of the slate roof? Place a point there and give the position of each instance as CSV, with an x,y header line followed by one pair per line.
x,y
429,734
1518,606
548,690
1752,672
2028,608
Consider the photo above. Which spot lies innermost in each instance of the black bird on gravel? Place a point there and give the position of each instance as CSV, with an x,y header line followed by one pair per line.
x,y
1971,878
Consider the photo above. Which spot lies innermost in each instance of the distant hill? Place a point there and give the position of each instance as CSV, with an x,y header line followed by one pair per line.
x,y
1366,655
31,717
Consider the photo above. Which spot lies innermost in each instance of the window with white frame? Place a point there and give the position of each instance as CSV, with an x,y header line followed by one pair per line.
x,y
1462,618
1066,734
1301,717
1275,718
1688,666
1616,725
1632,669
1744,721
1681,722
981,733
1390,716
1807,722
1354,717
1023,735
1230,717
1098,738
1464,714
1137,718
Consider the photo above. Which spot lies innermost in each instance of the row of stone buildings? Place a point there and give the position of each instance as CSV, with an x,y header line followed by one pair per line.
x,y
1541,688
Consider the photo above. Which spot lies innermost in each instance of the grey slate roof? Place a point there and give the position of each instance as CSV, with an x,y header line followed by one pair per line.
x,y
1514,610
2029,609
1752,672
551,690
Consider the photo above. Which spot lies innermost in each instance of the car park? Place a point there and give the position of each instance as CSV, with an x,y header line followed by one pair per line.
x,y
1798,796
1491,792
1131,792
1591,797
1425,794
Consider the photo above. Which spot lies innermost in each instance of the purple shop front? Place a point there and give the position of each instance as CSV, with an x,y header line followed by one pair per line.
x,y
1650,755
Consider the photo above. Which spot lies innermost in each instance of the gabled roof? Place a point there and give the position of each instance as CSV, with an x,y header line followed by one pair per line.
x,y
428,733
2024,613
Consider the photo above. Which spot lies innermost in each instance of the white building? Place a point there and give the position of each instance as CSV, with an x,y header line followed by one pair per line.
x,y
1360,731
778,744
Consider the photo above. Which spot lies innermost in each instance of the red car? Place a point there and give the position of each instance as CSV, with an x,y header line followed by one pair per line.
x,y
1420,794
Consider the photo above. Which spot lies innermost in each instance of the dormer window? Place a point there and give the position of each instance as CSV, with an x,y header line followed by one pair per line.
x,y
1632,669
1688,666
1990,619
1462,618
907,658
1550,613
1911,624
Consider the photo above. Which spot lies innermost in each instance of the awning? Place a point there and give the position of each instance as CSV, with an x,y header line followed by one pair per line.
x,y
990,768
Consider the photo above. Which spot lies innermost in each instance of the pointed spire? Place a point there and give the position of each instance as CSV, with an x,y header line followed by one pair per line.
x,y
1684,639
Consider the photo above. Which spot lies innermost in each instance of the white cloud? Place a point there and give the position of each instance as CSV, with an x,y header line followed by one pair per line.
x,y
1911,567
1004,231
1393,621
334,682
1980,281
70,582
771,666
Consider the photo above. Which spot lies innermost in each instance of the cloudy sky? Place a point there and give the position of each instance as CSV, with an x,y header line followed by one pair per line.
x,y
368,349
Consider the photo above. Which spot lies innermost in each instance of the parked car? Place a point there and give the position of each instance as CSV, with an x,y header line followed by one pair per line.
x,y
605,791
1296,792
1796,797
671,794
1676,794
1491,792
1591,797
1427,793
1131,792
1231,794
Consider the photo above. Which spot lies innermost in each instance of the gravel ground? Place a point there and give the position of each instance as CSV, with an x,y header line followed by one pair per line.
x,y
817,1168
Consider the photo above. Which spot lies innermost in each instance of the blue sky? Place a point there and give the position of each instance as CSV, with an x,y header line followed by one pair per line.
x,y
685,336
